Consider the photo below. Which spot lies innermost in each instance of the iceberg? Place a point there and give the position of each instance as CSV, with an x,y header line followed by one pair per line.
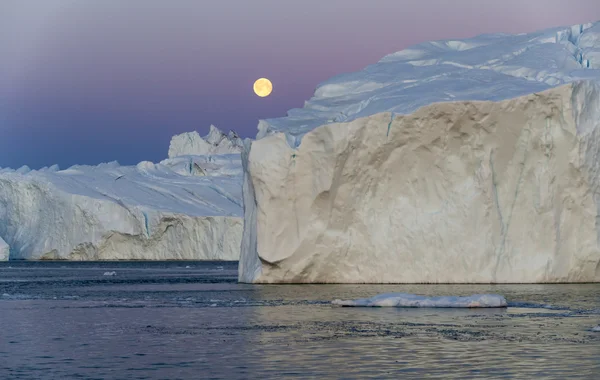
x,y
596,329
183,208
413,300
215,142
4,250
458,161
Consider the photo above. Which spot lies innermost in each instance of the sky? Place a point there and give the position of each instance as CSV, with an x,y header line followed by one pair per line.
x,y
85,82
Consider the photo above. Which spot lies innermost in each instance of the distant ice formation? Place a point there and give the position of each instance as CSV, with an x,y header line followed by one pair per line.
x,y
186,207
216,142
596,329
458,161
413,300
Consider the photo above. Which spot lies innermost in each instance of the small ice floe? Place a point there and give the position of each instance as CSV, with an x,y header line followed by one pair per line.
x,y
112,273
596,329
413,300
187,267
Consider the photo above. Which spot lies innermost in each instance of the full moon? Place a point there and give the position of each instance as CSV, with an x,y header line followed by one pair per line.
x,y
263,87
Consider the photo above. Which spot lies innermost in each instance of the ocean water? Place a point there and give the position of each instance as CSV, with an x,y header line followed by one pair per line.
x,y
191,320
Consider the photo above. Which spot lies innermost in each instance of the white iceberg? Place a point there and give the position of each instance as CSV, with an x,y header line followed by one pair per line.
x,y
4,250
215,142
163,211
596,329
472,161
413,300
111,273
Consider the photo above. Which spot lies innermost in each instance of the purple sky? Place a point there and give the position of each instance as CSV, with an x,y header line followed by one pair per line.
x,y
94,81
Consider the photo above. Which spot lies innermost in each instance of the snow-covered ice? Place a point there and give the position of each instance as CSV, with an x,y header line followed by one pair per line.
x,y
4,250
458,161
487,67
185,207
413,300
111,273
215,142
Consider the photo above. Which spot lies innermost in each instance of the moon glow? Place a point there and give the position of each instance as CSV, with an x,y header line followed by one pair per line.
x,y
263,87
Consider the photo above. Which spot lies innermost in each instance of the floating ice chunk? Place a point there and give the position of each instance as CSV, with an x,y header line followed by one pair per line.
x,y
413,300
596,329
112,273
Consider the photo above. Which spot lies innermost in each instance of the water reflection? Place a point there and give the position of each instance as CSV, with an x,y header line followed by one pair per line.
x,y
329,342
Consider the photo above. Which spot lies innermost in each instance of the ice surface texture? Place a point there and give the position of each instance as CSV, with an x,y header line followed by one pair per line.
x,y
448,162
413,300
186,207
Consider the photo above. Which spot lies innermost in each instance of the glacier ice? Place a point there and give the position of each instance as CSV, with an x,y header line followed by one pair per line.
x,y
473,161
162,211
413,300
215,142
596,329
4,250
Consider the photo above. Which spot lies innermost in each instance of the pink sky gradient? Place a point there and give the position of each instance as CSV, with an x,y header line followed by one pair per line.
x,y
86,82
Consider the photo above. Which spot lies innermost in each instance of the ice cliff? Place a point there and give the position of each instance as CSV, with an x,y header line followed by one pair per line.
x,y
186,207
471,161
4,250
215,142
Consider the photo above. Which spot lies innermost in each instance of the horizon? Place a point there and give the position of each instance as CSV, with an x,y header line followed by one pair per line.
x,y
91,83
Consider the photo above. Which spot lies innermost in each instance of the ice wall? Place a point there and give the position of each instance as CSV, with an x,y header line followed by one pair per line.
x,y
456,192
4,250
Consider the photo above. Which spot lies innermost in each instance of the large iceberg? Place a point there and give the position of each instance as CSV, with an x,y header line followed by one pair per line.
x,y
186,207
471,161
215,142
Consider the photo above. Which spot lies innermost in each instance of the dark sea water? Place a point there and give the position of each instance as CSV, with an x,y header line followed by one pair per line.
x,y
191,320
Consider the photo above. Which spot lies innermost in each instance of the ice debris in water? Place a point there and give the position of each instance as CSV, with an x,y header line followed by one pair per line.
x,y
413,300
113,273
596,329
